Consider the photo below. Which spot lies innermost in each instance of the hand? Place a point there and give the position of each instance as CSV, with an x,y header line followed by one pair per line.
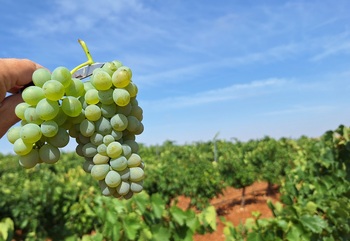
x,y
14,75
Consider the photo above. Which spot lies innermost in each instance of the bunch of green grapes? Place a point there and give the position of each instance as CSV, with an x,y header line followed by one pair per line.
x,y
101,114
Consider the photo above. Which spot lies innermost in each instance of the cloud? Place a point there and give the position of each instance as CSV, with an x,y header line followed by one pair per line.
x,y
235,91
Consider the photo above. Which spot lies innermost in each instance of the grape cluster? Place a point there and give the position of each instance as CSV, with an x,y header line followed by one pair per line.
x,y
101,114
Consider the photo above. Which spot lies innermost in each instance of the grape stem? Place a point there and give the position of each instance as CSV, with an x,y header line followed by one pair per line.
x,y
88,55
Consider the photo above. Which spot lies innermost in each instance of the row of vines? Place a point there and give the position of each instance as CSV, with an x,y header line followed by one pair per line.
x,y
61,202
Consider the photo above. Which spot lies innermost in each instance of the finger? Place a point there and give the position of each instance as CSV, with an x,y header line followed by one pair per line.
x,y
7,112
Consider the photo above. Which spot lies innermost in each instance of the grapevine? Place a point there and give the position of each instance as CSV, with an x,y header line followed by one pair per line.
x,y
101,114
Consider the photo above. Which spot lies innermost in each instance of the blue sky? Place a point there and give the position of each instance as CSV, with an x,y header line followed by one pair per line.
x,y
243,69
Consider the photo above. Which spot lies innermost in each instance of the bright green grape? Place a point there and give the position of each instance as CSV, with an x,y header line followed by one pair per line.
x,y
108,139
13,134
32,95
92,112
100,159
119,122
136,174
101,80
102,149
49,153
114,149
91,96
47,109
121,97
121,77
40,76
53,90
123,188
22,148
76,88
113,179
29,160
119,163
132,89
30,133
109,67
63,75
99,172
87,128
71,106
136,187
20,109
49,128
134,160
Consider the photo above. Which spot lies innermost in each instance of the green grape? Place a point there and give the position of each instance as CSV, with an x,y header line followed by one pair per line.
x,y
108,139
133,144
136,174
134,160
101,80
40,76
106,96
77,119
128,195
106,190
124,174
113,179
61,139
117,135
121,77
76,88
119,163
63,75
71,106
109,67
87,166
108,111
29,160
74,131
126,151
132,89
88,86
102,149
89,150
139,129
91,96
136,187
20,109
53,90
103,126
125,110
49,154
32,95
100,159
123,188
119,122
13,134
117,63
92,112
79,149
121,97
81,139
47,109
99,172
22,148
30,133
96,139
114,149
133,123
87,128
137,112
60,118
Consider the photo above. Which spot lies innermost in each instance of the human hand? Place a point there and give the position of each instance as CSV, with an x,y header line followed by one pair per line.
x,y
14,75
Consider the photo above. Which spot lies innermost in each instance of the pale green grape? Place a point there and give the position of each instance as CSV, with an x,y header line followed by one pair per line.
x,y
102,149
76,88
113,179
117,63
22,148
108,139
89,150
96,139
32,95
49,153
100,159
71,106
87,128
87,166
99,172
114,149
132,89
47,109
121,77
136,174
108,111
119,163
63,75
117,135
119,122
88,86
133,144
103,126
101,80
126,150
123,188
40,76
106,96
134,160
109,67
13,134
61,139
20,109
53,90
121,97
29,160
124,174
106,190
133,123
136,187
30,133
92,112
91,96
